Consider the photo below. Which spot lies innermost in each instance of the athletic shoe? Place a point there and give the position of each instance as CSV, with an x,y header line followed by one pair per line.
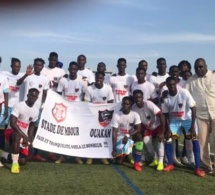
x,y
60,160
168,168
137,167
1,165
208,170
52,157
79,161
154,163
38,157
160,167
184,160
199,173
105,161
15,168
89,161
177,162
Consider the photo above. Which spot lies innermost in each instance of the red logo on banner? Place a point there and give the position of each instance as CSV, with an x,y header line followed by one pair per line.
x,y
59,112
105,117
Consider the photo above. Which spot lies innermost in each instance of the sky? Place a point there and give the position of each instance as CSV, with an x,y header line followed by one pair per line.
x,y
105,30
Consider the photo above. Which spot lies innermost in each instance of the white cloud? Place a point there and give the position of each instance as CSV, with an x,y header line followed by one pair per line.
x,y
57,37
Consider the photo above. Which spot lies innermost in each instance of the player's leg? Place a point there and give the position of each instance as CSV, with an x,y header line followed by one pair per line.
x,y
176,131
138,152
195,146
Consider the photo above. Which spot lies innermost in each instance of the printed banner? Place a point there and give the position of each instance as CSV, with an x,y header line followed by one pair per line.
x,y
75,128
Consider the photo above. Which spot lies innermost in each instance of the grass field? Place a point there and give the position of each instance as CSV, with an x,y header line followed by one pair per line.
x,y
70,178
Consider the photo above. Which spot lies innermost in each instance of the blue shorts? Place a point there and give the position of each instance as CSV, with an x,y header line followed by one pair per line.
x,y
177,127
6,121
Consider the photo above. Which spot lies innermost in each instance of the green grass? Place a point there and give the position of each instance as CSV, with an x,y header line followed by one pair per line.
x,y
70,178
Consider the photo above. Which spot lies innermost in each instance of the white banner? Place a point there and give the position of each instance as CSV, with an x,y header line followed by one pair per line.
x,y
75,128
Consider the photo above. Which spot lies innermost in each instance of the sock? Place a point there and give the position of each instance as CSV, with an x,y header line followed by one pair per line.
x,y
5,155
176,149
2,139
196,151
169,151
184,152
149,146
36,151
189,148
138,151
160,152
15,158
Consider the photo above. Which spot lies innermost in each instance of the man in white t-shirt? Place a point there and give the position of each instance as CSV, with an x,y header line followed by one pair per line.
x,y
99,93
143,64
121,82
23,118
85,73
40,82
53,72
14,90
146,87
153,127
179,109
101,67
126,123
159,79
72,89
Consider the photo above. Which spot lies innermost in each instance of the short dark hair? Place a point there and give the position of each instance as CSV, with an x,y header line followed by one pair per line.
x,y
160,59
53,54
184,62
81,56
187,71
173,66
121,60
99,72
33,90
137,91
171,79
13,60
40,60
140,62
129,98
139,68
73,63
101,63
200,59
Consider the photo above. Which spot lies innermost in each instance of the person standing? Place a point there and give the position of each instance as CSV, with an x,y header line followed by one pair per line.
x,y
201,86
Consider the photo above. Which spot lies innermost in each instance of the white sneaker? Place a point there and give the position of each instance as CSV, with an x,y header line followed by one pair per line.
x,y
177,162
184,160
1,165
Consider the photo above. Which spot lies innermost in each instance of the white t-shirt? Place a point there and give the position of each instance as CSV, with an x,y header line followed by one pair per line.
x,y
125,122
157,80
39,82
178,106
147,77
98,96
147,88
148,114
87,76
14,90
182,83
25,115
72,90
4,87
53,74
121,86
